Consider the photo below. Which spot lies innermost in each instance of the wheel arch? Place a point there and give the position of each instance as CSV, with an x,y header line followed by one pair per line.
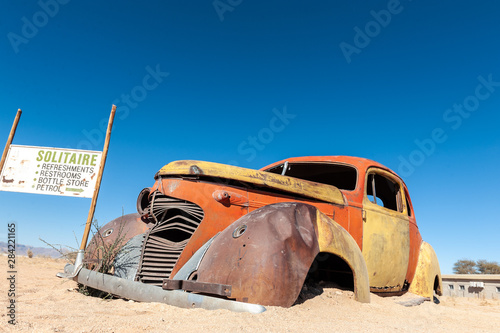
x,y
334,239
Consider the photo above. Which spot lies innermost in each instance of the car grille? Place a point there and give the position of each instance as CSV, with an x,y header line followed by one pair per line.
x,y
175,222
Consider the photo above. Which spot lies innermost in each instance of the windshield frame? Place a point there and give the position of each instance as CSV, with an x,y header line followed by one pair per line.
x,y
289,164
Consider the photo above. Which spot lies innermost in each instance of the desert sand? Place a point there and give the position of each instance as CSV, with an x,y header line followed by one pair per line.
x,y
46,303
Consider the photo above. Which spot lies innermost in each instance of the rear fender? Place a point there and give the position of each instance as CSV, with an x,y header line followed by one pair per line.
x,y
428,274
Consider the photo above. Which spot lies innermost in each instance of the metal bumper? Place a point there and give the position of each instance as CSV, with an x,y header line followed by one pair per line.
x,y
141,292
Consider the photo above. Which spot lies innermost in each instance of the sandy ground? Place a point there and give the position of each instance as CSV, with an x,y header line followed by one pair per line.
x,y
46,303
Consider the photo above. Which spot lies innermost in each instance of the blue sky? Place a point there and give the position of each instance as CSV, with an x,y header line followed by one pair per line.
x,y
412,81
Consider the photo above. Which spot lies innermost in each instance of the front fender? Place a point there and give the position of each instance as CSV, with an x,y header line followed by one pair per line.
x,y
265,255
113,234
424,283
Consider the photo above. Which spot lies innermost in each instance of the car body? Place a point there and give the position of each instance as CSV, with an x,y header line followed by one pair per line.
x,y
258,235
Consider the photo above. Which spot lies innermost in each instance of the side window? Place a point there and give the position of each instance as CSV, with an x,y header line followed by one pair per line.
x,y
384,192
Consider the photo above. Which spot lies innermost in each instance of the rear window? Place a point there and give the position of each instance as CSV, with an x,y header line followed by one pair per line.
x,y
341,176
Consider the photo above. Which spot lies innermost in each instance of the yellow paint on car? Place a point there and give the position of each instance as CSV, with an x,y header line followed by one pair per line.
x,y
332,238
292,185
386,241
427,271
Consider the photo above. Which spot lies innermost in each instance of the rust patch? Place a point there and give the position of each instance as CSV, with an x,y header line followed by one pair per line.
x,y
265,255
198,287
195,170
119,230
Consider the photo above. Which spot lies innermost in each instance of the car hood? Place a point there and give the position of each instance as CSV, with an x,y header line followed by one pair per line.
x,y
286,184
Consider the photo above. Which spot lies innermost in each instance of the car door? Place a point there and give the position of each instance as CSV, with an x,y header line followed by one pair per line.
x,y
386,241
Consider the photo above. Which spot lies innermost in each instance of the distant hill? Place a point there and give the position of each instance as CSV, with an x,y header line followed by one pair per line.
x,y
22,250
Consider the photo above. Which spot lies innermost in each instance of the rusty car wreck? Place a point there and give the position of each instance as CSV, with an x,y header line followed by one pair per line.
x,y
218,236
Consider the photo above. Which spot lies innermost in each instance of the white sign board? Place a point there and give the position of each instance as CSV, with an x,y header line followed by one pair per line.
x,y
54,171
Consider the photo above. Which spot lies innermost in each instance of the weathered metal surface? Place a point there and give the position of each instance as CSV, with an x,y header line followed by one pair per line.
x,y
276,255
287,184
427,273
332,238
191,266
228,198
386,243
415,238
76,267
143,205
242,201
198,287
142,292
118,231
265,255
200,193
175,222
394,246
127,260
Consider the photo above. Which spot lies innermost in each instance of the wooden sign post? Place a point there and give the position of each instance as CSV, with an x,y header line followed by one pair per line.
x,y
81,252
9,140
99,178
